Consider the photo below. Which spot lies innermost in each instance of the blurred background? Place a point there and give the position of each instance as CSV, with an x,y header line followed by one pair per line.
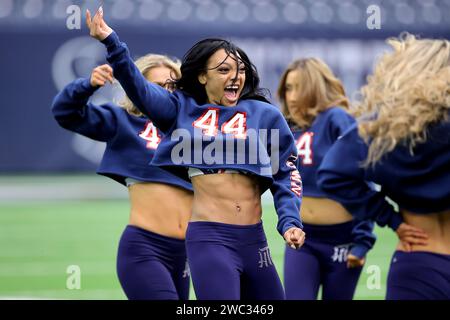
x,y
54,211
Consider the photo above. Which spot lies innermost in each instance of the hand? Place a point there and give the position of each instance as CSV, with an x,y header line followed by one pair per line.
x,y
100,75
410,236
354,261
295,237
98,28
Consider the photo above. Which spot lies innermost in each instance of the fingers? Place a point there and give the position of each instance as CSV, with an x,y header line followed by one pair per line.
x,y
96,19
295,237
301,239
414,240
107,68
106,72
415,234
103,79
410,235
406,246
350,263
99,17
88,19
97,80
101,75
354,261
407,228
287,238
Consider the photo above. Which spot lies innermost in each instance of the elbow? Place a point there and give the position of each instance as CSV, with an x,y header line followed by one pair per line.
x,y
57,106
324,180
61,116
58,112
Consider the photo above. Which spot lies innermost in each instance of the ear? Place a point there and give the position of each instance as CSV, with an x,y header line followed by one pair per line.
x,y
202,78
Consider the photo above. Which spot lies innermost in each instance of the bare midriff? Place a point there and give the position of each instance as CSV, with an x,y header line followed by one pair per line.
x,y
435,225
160,208
323,211
230,198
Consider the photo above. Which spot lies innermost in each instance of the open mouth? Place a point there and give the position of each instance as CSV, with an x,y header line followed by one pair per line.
x,y
231,92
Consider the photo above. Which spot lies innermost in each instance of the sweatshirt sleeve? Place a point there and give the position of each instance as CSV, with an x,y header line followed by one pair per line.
x,y
287,186
363,237
342,178
155,102
73,112
340,121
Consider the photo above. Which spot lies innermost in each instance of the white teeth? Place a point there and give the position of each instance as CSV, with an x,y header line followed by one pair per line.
x,y
232,87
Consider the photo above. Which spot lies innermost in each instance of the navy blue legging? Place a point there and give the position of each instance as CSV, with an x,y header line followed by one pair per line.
x,y
418,275
151,266
231,262
321,261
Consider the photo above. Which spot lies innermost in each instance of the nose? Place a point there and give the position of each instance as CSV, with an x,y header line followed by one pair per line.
x,y
236,76
291,96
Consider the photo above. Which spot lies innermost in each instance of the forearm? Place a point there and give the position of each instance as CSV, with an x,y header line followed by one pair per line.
x,y
363,238
153,101
68,105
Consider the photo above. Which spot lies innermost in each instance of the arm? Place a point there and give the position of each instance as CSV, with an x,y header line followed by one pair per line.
x,y
363,238
287,186
362,233
158,104
341,177
73,112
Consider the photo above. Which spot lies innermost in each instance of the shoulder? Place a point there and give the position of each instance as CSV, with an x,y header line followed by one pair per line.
x,y
117,111
336,118
351,134
336,113
261,106
114,108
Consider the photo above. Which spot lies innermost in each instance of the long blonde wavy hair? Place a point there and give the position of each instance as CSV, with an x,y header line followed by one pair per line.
x,y
409,90
144,64
320,89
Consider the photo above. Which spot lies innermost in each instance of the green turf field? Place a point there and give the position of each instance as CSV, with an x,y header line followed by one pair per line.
x,y
40,240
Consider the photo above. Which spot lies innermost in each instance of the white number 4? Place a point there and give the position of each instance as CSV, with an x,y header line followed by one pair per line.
x,y
236,125
150,134
304,148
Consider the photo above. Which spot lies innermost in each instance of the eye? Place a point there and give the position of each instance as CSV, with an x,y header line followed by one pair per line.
x,y
223,70
169,85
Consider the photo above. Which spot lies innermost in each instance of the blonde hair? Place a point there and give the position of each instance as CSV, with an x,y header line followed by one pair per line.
x,y
408,91
145,64
319,90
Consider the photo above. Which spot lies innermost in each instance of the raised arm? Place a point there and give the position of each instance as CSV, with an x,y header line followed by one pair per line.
x,y
158,104
73,112
287,186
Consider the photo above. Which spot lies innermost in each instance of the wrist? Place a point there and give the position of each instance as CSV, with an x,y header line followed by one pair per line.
x,y
87,85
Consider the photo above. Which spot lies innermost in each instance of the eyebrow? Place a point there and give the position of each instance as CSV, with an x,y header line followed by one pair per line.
x,y
241,65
